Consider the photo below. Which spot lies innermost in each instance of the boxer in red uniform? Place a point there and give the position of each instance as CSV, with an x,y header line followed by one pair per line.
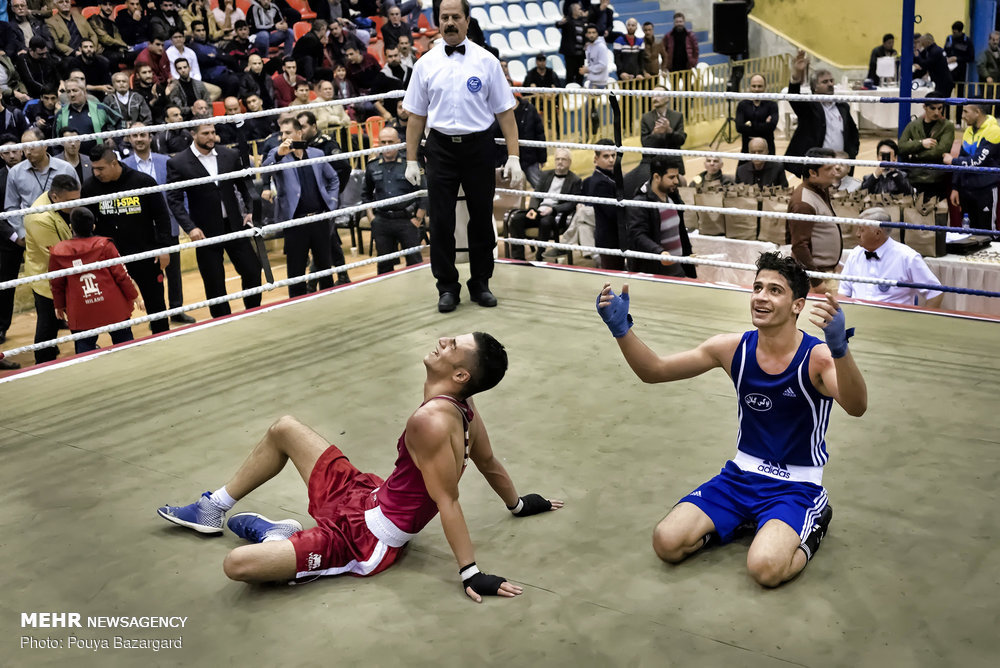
x,y
362,521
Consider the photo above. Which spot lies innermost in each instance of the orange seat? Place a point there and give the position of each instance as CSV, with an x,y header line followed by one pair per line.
x,y
90,11
118,8
303,8
377,49
301,28
373,126
425,26
244,5
218,108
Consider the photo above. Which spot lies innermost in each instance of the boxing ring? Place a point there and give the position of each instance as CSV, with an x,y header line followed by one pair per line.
x,y
92,445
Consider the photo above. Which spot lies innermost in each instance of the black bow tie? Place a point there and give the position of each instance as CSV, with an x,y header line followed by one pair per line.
x,y
448,49
871,255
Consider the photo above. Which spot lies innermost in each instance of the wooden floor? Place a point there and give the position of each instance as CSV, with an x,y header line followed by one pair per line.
x,y
906,577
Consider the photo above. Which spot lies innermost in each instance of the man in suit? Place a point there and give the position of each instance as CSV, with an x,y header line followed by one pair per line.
x,y
69,40
661,127
217,209
300,192
143,159
821,124
543,212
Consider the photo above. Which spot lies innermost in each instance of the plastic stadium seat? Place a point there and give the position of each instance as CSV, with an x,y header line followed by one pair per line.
x,y
244,5
517,16
551,12
519,44
303,8
498,17
218,108
90,11
517,70
533,11
536,40
499,42
619,26
301,28
480,15
496,2
553,37
558,66
424,24
477,3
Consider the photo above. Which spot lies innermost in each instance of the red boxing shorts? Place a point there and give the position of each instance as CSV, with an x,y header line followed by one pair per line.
x,y
341,542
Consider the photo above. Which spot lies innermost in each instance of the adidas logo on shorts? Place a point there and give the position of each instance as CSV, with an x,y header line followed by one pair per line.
x,y
789,392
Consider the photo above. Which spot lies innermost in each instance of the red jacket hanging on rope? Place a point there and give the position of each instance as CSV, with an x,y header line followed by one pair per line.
x,y
94,298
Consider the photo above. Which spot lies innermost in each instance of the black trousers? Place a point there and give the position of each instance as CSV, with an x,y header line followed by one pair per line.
x,y
213,273
46,328
981,207
175,285
11,257
468,163
573,65
519,222
299,241
149,278
391,235
939,189
89,343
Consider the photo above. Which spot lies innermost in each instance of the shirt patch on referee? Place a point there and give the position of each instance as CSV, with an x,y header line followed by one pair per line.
x,y
474,84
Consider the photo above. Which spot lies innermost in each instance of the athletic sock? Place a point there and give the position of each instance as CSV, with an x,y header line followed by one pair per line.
x,y
220,499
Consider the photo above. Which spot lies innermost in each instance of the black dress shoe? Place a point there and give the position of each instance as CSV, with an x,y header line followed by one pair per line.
x,y
485,298
8,365
182,319
447,302
3,336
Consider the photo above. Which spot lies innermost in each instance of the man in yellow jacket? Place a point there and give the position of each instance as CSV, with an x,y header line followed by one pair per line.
x,y
41,232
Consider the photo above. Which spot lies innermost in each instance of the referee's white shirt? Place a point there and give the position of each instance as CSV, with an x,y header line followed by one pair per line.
x,y
459,94
895,261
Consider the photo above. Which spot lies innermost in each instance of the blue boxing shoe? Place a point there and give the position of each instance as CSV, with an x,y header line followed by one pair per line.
x,y
203,516
257,528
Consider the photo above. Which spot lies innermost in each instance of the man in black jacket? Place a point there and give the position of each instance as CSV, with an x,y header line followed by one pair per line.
x,y
757,118
608,233
932,62
660,231
760,173
133,23
38,67
214,209
889,181
136,223
815,118
546,213
308,51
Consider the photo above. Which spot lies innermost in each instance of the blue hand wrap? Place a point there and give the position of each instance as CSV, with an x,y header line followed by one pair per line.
x,y
615,315
837,336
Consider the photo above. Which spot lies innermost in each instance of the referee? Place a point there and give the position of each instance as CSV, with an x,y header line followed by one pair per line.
x,y
457,90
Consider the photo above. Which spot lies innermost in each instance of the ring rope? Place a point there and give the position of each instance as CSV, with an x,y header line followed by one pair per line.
x,y
208,241
265,287
594,250
208,120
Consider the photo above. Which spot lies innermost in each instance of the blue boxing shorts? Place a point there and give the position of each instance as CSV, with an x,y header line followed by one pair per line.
x,y
735,496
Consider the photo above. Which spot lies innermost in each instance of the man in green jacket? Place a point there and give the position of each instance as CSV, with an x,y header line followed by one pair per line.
x,y
926,140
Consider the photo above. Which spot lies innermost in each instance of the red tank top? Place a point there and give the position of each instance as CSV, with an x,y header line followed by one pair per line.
x,y
403,498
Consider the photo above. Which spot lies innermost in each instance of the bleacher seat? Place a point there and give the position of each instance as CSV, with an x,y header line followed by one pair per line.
x,y
536,40
533,11
87,12
517,70
619,26
301,28
558,66
551,12
480,15
303,8
477,3
553,37
496,2
499,42
498,17
517,16
519,44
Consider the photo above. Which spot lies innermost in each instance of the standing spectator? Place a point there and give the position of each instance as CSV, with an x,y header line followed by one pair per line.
x,y
681,46
255,81
12,89
71,155
890,181
270,27
460,149
886,48
11,233
144,160
629,52
598,59
603,17
166,19
926,140
109,36
397,226
958,51
187,90
12,120
155,57
133,23
660,127
394,27
309,51
332,116
821,124
878,255
660,231
758,172
324,142
85,115
757,118
38,68
608,232
136,224
101,296
128,104
543,212
27,26
974,191
931,62
654,58
541,75
69,29
817,246
572,45
42,231
529,127
301,192
285,83
212,210
988,63
394,68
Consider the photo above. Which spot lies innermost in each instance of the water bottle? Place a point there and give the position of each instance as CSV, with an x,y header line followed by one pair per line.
x,y
965,221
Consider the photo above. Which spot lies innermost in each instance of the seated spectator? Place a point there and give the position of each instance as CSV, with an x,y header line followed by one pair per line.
x,y
230,133
75,300
362,69
712,176
179,49
757,118
96,69
239,46
133,23
129,105
213,63
201,11
254,81
186,90
42,112
407,54
12,121
881,51
85,116
227,15
153,94
661,127
68,39
201,109
331,116
660,231
79,77
174,140
926,140
394,27
302,91
285,83
270,27
37,68
629,52
543,212
310,52
341,39
109,36
843,179
166,19
154,55
541,75
758,172
890,181
394,68
71,155
880,256
261,127
26,26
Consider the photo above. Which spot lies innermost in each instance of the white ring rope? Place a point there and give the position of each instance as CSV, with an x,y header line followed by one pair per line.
x,y
265,287
764,97
208,241
208,120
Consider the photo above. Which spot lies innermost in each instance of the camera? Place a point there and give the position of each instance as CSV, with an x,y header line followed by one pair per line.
x,y
299,145
885,157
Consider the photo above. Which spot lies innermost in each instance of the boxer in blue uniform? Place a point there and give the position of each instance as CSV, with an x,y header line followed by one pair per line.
x,y
786,382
